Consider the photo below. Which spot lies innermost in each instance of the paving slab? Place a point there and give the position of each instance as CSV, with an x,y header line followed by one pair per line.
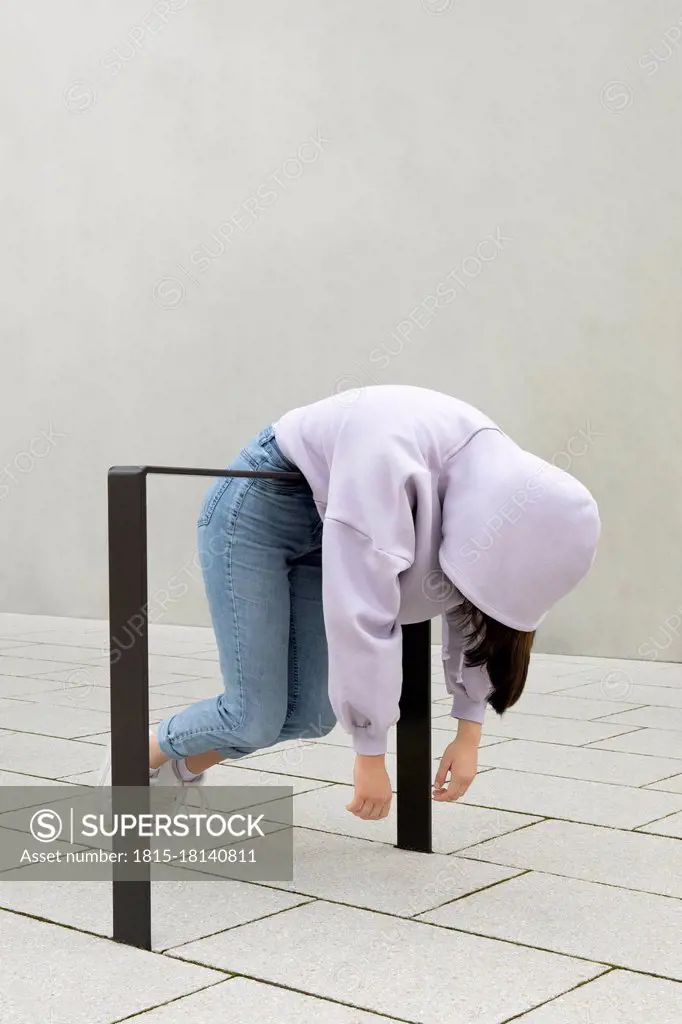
x,y
10,704
670,826
67,721
26,687
22,623
182,910
671,785
18,779
379,877
242,1001
617,674
34,755
648,717
347,954
585,763
654,742
628,859
544,729
594,803
637,693
69,653
95,639
62,976
575,706
33,667
93,698
599,922
619,997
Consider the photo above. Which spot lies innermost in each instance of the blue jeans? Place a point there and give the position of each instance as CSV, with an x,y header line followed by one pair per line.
x,y
260,547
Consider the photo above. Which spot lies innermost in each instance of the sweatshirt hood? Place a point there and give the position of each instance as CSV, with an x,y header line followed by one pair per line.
x,y
518,533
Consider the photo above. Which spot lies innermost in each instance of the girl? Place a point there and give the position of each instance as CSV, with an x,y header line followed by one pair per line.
x,y
412,504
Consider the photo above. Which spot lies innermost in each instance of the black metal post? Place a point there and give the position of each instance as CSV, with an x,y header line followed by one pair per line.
x,y
129,697
129,673
415,767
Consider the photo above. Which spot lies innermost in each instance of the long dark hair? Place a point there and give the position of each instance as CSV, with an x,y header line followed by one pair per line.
x,y
504,651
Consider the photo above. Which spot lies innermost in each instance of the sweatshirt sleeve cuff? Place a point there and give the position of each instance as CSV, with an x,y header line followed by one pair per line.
x,y
369,745
468,710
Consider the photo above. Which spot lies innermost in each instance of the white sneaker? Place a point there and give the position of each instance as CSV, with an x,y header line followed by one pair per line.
x,y
166,775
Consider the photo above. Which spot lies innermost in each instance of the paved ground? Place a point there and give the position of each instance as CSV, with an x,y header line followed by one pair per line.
x,y
553,897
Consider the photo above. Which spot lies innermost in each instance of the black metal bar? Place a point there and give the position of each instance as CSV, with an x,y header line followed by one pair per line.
x,y
264,474
415,768
129,670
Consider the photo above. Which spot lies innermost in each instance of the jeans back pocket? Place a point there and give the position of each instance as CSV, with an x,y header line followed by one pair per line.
x,y
213,496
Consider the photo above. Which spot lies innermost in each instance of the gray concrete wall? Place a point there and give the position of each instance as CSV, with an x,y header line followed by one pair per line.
x,y
214,211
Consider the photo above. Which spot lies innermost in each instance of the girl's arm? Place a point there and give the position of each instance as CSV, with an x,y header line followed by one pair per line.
x,y
361,599
469,688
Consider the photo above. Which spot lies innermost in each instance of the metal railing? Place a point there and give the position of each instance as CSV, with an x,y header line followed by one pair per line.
x,y
129,697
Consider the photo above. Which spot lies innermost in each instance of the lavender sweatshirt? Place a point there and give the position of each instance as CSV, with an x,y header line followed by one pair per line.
x,y
425,500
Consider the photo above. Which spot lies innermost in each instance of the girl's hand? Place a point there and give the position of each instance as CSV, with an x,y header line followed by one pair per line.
x,y
372,799
461,761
